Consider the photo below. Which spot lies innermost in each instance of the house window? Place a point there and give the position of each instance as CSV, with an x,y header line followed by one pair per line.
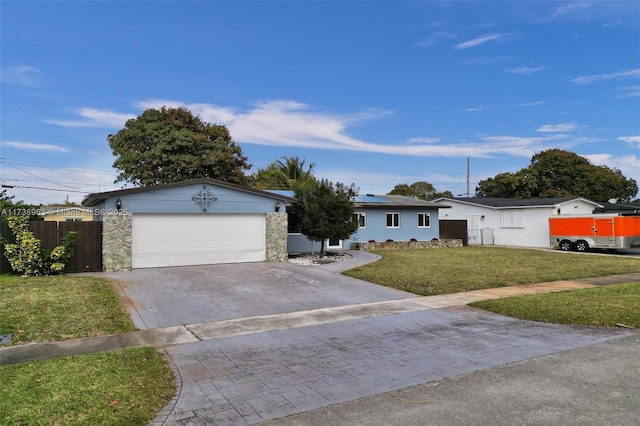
x,y
424,220
360,219
393,220
512,219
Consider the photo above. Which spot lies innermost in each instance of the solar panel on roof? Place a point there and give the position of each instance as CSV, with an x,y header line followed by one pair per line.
x,y
371,199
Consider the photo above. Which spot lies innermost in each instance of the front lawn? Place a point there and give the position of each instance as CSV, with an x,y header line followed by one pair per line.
x,y
125,387
37,309
603,306
440,271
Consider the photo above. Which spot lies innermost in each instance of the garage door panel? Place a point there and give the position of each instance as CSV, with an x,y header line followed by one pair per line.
x,y
176,240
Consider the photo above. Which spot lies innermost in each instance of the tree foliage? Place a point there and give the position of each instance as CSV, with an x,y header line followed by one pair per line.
x,y
421,190
27,256
325,211
559,173
8,207
286,173
172,145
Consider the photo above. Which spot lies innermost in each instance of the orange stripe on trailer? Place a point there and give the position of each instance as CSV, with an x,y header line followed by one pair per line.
x,y
601,225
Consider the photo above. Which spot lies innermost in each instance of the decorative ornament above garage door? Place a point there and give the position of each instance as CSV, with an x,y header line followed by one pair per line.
x,y
204,198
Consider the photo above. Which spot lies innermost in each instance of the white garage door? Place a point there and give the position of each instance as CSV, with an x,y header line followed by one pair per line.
x,y
196,239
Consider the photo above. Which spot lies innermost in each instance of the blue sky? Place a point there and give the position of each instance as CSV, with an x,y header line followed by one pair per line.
x,y
373,93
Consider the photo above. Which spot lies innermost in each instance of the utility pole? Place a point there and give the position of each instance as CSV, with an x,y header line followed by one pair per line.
x,y
468,168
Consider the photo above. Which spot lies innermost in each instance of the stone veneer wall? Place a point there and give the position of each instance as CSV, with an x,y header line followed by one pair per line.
x,y
396,245
116,242
276,224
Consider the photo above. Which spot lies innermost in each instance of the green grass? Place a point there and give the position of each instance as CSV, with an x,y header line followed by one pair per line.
x,y
37,309
601,306
440,271
125,387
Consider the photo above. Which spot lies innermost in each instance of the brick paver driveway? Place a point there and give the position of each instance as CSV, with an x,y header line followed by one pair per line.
x,y
249,378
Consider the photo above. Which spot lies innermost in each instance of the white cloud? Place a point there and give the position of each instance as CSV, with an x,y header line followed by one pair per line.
x,y
629,165
558,128
525,70
434,39
47,185
519,146
534,103
474,109
523,104
423,140
630,91
294,124
479,40
30,146
587,79
631,140
570,8
381,183
92,117
22,75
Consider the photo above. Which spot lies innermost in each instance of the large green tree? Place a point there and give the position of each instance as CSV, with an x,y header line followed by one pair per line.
x,y
559,173
171,145
421,190
285,173
325,211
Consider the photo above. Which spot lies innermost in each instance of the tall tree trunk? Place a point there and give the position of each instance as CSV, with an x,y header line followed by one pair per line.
x,y
322,253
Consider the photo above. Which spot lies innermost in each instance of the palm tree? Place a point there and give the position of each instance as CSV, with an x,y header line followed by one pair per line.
x,y
286,173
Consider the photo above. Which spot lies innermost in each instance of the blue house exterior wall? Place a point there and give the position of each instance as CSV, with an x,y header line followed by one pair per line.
x,y
179,200
376,226
376,229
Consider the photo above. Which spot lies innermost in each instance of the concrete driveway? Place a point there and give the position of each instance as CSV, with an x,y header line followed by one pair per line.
x,y
265,374
163,297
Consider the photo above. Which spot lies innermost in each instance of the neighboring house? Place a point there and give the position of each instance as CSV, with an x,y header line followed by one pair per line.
x,y
624,208
510,221
381,218
67,214
196,222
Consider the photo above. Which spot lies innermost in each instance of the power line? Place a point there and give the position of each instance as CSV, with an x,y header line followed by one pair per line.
x,y
38,177
43,189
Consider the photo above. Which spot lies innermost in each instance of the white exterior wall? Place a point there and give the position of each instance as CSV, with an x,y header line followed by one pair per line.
x,y
535,230
535,222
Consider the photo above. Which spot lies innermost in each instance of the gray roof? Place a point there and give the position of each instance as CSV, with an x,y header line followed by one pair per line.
x,y
620,207
516,202
382,201
93,199
385,201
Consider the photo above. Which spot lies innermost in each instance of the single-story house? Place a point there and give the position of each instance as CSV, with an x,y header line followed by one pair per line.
x,y
66,214
628,208
195,222
382,218
512,221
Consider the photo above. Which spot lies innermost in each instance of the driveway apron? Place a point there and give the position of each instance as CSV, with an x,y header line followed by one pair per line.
x,y
252,378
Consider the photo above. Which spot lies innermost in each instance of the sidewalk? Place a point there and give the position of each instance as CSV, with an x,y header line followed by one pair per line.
x,y
191,333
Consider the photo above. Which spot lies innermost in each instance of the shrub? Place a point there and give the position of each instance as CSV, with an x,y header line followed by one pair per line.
x,y
28,257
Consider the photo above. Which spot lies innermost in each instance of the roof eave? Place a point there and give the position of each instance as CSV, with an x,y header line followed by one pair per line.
x,y
95,198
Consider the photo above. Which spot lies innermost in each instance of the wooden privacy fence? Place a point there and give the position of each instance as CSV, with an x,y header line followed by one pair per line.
x,y
87,253
454,229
